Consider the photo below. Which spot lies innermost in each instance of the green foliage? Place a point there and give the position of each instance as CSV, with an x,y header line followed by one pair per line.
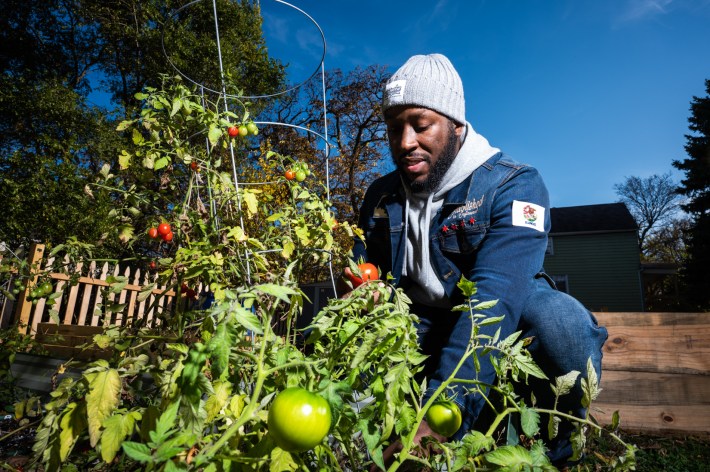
x,y
194,393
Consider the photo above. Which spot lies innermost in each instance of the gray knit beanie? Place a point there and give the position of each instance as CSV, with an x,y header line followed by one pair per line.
x,y
427,81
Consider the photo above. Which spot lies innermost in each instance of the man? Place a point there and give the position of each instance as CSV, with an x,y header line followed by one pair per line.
x,y
456,206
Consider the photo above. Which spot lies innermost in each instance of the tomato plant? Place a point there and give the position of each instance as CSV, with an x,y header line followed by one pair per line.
x,y
298,419
444,417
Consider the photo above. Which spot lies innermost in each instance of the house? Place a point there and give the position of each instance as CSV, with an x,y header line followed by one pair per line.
x,y
593,254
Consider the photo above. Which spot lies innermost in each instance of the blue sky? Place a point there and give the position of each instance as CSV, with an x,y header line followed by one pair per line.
x,y
588,91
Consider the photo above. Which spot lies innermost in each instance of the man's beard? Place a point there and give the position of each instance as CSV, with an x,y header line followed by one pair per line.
x,y
438,170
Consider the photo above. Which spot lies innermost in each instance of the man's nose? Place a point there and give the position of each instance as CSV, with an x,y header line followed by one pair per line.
x,y
408,139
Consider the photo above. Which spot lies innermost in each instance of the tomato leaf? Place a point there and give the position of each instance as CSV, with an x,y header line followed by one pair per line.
x,y
219,346
529,421
247,319
214,134
72,424
251,203
160,163
590,385
116,429
564,383
137,451
512,457
281,461
279,291
102,399
217,399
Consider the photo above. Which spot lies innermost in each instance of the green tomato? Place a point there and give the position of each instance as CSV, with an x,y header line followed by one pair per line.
x,y
300,176
444,417
298,419
252,128
46,288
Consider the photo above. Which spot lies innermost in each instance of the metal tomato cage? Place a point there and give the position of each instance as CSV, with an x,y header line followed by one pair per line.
x,y
231,100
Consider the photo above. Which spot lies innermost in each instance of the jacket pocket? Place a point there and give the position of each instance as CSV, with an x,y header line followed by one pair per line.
x,y
461,241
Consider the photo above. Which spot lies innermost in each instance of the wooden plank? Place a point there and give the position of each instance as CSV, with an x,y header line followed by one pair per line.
x,y
657,342
24,307
658,419
651,318
64,341
72,295
650,388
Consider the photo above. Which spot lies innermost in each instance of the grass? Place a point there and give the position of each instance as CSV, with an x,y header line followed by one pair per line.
x,y
660,453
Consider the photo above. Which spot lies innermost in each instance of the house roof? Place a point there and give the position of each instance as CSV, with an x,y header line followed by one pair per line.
x,y
606,217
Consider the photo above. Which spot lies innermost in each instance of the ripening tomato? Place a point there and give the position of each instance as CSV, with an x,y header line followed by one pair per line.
x,y
243,131
289,174
444,417
368,272
298,419
233,131
163,229
153,233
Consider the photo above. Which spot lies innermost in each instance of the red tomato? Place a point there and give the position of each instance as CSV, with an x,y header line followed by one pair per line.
x,y
153,233
289,174
168,237
152,265
163,229
233,131
194,167
368,272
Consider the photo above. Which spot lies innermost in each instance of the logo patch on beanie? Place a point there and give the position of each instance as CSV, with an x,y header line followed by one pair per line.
x,y
395,91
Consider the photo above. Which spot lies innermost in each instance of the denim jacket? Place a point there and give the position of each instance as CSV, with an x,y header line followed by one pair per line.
x,y
492,229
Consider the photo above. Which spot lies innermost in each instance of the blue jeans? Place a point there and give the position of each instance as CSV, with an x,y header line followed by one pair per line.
x,y
564,335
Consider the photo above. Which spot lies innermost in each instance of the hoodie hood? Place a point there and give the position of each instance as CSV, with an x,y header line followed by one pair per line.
x,y
419,209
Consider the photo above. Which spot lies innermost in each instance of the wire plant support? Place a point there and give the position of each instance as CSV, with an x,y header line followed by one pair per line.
x,y
234,101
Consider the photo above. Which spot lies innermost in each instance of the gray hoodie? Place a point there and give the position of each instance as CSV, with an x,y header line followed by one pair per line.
x,y
427,288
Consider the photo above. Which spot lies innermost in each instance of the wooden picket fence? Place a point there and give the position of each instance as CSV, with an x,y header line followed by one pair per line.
x,y
80,304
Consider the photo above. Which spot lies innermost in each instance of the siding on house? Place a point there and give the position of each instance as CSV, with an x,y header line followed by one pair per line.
x,y
602,269
595,249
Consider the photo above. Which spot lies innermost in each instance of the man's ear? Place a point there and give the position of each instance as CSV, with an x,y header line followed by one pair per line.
x,y
458,128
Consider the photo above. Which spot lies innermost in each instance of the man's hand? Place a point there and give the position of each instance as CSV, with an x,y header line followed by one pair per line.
x,y
344,289
423,432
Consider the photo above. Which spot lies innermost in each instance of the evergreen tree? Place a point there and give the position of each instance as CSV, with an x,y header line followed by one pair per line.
x,y
696,186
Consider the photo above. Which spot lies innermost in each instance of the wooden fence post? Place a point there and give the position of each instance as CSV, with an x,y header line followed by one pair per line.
x,y
23,309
